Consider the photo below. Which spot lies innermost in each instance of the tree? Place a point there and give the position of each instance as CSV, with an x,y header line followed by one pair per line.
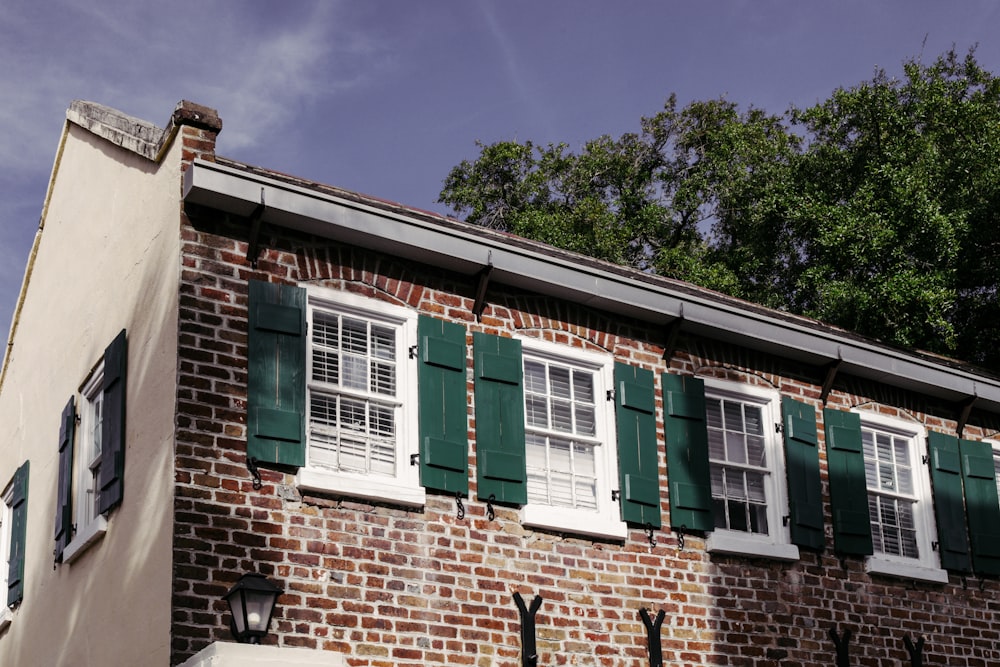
x,y
875,210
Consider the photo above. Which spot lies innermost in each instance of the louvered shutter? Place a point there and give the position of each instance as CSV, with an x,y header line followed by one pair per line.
x,y
499,387
981,505
805,491
112,476
444,421
638,468
18,534
687,452
64,492
852,529
276,374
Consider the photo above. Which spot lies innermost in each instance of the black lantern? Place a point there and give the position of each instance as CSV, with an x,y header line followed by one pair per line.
x,y
251,601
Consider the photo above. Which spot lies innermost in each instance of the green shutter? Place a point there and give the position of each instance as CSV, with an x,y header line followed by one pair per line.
x,y
805,491
444,418
638,468
500,457
18,529
276,374
687,452
114,385
64,492
845,459
946,476
981,504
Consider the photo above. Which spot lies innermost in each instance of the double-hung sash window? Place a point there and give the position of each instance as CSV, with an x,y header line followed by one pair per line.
x,y
745,466
569,446
88,460
92,454
899,499
361,409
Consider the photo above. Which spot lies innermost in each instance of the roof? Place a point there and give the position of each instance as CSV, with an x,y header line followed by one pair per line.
x,y
286,201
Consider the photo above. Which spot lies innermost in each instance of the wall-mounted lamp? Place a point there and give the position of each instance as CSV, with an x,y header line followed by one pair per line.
x,y
251,601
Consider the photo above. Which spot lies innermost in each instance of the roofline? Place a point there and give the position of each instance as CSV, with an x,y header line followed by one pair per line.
x,y
465,248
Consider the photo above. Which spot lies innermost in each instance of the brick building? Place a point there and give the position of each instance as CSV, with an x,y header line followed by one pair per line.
x,y
446,444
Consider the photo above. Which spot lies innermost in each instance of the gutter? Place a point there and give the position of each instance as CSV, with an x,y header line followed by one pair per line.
x,y
468,249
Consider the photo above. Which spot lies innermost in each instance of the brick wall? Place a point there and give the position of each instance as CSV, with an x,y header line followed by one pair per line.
x,y
388,586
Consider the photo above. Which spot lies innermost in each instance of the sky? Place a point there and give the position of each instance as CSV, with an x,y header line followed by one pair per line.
x,y
385,96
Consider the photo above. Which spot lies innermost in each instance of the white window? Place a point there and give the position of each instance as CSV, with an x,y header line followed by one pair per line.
x,y
6,523
89,524
746,465
361,418
899,499
571,458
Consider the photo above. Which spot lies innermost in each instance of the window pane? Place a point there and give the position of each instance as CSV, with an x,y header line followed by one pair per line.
x,y
355,336
733,416
736,447
562,416
383,343
754,420
534,377
559,379
583,386
536,411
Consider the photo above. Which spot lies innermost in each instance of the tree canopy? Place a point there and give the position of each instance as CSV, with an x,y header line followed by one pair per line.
x,y
875,210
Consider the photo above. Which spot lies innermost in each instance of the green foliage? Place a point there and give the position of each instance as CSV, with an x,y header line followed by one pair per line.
x,y
875,210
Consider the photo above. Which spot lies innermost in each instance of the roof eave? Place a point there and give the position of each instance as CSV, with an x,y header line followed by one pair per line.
x,y
467,249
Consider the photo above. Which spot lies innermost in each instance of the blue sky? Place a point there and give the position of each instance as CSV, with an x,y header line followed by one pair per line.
x,y
385,96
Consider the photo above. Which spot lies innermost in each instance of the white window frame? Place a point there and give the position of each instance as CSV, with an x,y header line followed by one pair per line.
x,y
403,487
605,521
925,567
996,461
776,544
6,524
89,525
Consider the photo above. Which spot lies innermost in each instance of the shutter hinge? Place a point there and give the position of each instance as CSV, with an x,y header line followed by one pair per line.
x,y
413,352
76,418
925,459
414,459
935,545
615,495
611,394
778,428
785,519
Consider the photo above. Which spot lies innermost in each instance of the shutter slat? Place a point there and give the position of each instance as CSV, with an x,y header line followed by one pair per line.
x,y
687,452
444,421
852,531
276,369
638,465
805,490
499,397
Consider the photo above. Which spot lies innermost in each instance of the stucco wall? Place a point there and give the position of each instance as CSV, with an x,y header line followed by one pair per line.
x,y
107,260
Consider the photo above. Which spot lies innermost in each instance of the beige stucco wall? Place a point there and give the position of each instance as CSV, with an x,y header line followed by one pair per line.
x,y
107,260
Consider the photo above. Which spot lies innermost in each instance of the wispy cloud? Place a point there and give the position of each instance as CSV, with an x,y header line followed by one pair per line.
x,y
144,57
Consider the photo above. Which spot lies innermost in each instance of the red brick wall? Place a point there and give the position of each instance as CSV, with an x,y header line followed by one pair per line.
x,y
388,586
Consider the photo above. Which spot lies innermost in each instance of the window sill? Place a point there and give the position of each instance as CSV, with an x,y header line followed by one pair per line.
x,y
892,568
741,544
91,533
591,524
361,486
